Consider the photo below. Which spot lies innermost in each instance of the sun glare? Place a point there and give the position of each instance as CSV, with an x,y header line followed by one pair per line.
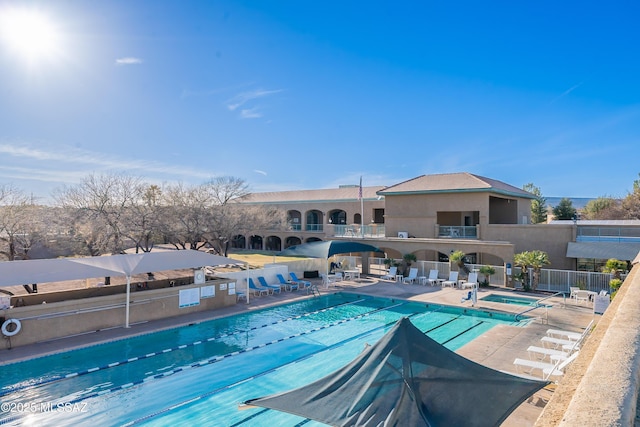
x,y
29,34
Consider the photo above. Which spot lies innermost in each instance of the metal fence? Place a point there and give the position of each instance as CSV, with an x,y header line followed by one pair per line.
x,y
550,280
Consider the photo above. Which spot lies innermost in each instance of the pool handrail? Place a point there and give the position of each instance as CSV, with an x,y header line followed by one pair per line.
x,y
564,302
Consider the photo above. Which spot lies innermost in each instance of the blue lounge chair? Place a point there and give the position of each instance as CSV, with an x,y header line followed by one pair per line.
x,y
290,286
305,284
258,290
264,284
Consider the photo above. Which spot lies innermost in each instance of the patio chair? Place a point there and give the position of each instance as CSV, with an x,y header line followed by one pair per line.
x,y
582,296
274,288
452,280
412,277
258,290
433,278
471,282
290,286
572,291
304,283
326,280
337,277
391,275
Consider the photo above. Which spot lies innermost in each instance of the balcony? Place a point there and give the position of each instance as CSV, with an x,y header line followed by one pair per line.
x,y
457,232
356,230
314,227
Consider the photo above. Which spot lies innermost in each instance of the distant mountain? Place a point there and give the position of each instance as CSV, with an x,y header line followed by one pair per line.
x,y
578,202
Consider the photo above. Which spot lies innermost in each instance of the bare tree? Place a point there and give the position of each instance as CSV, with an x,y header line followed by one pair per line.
x,y
21,223
103,200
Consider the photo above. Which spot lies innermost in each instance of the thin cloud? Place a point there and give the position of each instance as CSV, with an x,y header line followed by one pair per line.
x,y
250,113
244,97
129,60
84,162
566,92
260,172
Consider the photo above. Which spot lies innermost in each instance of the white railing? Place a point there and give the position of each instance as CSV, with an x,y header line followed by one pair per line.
x,y
458,232
550,280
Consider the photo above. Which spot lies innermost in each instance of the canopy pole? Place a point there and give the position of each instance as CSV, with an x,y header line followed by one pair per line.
x,y
126,312
246,279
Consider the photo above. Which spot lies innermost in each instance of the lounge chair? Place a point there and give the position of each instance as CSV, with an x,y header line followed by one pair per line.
x,y
554,342
536,352
274,288
546,369
433,278
452,280
565,335
471,282
391,275
290,286
258,290
304,283
337,277
412,277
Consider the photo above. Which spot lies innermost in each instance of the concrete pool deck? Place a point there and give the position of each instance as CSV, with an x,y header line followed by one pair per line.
x,y
496,349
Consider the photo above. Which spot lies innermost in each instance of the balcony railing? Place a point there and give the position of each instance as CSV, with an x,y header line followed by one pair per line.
x,y
458,232
295,227
357,230
603,234
314,227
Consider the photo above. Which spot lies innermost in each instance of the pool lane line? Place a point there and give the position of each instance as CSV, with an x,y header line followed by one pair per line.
x,y
268,371
463,332
225,356
216,359
168,350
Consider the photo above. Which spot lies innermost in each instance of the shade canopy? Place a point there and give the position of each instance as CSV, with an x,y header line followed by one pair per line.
x,y
603,250
407,379
61,269
326,249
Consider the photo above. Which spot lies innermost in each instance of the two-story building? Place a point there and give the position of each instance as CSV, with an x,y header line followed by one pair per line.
x,y
429,216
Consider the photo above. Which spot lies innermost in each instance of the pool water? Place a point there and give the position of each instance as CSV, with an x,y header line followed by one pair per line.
x,y
508,299
197,375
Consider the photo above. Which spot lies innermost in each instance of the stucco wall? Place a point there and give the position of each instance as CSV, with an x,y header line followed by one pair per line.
x,y
54,320
551,239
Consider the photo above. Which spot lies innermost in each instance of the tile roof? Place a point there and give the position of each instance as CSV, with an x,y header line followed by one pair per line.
x,y
346,194
452,183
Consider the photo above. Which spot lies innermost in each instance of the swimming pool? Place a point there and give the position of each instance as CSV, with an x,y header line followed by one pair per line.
x,y
508,299
196,375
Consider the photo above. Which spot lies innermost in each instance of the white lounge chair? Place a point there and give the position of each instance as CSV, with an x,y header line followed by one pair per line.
x,y
554,342
565,335
391,275
433,278
452,280
546,369
412,277
536,352
471,282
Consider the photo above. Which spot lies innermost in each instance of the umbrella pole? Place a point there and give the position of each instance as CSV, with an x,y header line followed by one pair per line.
x,y
126,312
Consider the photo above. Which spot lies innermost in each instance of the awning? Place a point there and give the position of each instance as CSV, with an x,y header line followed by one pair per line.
x,y
603,250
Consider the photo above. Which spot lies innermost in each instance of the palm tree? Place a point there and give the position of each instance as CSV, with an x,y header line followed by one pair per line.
x,y
534,259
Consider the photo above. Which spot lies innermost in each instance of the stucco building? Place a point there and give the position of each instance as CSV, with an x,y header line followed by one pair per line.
x,y
429,216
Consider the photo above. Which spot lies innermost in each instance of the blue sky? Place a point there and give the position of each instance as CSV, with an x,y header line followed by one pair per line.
x,y
298,95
